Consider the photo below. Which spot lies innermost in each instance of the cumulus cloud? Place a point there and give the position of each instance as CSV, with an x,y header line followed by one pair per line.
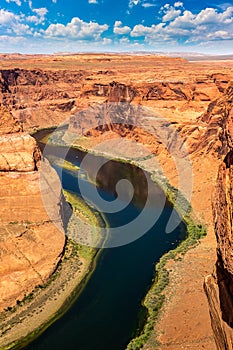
x,y
41,12
119,29
77,29
22,29
39,17
7,18
185,21
18,2
93,1
13,23
171,14
212,16
184,26
220,34
178,4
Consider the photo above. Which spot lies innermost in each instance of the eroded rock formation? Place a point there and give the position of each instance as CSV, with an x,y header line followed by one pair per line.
x,y
219,286
30,245
40,98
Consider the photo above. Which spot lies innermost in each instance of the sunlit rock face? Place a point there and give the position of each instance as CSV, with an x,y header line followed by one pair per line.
x,y
30,245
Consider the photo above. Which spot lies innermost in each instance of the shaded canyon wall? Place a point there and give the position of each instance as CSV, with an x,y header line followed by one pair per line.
x,y
219,285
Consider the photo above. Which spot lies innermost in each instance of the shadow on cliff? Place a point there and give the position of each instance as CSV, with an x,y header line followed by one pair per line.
x,y
223,275
225,285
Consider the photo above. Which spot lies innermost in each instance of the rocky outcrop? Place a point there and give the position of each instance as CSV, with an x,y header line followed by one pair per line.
x,y
40,98
37,97
8,124
203,90
219,285
30,245
19,152
211,132
121,115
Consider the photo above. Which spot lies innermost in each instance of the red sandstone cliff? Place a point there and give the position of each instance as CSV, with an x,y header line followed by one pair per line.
x,y
39,98
30,245
219,286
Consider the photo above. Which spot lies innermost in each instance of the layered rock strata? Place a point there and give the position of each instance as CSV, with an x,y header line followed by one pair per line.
x,y
31,245
219,285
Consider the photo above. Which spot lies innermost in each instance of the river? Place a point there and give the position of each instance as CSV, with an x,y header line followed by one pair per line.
x,y
109,311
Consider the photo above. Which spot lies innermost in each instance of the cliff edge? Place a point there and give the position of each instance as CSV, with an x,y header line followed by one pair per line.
x,y
30,245
219,285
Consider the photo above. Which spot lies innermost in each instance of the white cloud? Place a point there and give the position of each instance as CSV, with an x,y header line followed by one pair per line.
x,y
77,29
141,30
54,1
147,4
41,12
13,23
210,15
7,18
185,21
133,3
178,4
118,29
183,26
22,29
18,2
117,24
166,6
107,41
39,17
124,41
93,1
220,34
13,40
33,19
171,14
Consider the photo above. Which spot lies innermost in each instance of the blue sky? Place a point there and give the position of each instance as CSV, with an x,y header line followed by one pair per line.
x,y
47,26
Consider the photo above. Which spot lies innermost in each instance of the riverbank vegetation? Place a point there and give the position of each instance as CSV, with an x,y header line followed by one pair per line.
x,y
155,297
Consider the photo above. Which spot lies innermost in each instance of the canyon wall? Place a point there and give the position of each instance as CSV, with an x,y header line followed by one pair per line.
x,y
30,245
219,285
42,98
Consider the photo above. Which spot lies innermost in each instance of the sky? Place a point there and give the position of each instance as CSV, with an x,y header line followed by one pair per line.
x,y
50,26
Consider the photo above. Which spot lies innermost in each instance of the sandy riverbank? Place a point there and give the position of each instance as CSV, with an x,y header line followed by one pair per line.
x,y
46,304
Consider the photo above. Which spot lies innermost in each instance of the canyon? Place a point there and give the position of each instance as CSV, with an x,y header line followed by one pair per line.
x,y
196,98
